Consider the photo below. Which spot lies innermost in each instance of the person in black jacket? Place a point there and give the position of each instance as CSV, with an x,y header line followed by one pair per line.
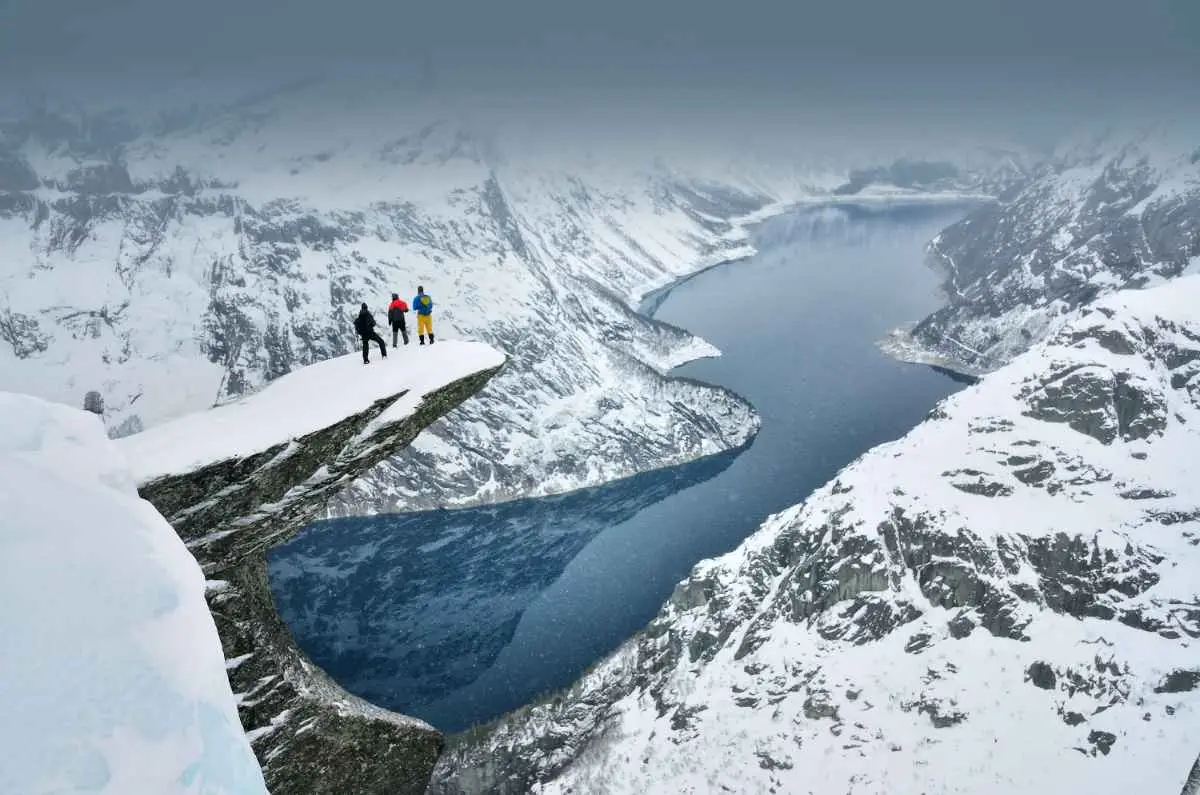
x,y
364,324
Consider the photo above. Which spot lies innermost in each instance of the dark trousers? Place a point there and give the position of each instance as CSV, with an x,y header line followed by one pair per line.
x,y
403,329
367,346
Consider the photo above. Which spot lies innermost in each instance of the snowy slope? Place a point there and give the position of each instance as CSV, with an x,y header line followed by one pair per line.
x,y
113,678
173,258
1005,600
1112,211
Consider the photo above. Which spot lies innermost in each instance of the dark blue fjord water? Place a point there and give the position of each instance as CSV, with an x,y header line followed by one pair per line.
x,y
459,616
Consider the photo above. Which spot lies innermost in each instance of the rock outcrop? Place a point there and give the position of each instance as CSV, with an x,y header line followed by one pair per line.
x,y
1192,785
310,736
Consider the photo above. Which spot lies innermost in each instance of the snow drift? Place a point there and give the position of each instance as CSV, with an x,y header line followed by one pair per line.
x,y
113,678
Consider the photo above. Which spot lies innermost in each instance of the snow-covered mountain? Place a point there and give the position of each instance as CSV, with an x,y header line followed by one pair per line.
x,y
113,678
1005,600
1108,212
174,258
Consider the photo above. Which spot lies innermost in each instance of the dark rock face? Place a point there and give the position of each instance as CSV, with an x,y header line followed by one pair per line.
x,y
1041,675
972,481
99,180
1179,682
1100,404
23,333
1192,785
1102,741
941,716
310,736
94,403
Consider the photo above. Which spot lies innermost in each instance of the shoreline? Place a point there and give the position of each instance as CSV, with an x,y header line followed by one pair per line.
x,y
899,345
478,736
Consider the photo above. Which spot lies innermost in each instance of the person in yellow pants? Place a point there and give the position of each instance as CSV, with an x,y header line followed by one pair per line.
x,y
422,304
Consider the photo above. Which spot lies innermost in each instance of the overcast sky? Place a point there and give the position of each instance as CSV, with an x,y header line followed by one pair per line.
x,y
1054,55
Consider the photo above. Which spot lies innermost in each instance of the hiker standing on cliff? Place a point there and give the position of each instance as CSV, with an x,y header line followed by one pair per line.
x,y
364,324
423,306
397,309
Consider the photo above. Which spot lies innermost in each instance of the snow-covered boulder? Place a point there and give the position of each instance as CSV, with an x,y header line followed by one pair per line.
x,y
1005,600
111,674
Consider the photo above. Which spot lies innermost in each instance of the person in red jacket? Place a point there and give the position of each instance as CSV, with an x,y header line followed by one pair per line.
x,y
396,311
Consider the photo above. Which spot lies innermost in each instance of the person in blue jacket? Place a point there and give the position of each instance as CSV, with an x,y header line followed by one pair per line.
x,y
422,304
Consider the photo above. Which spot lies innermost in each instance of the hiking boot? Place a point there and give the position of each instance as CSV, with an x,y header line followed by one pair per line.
x,y
430,339
422,338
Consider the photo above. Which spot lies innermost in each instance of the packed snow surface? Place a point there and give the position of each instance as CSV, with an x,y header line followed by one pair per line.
x,y
304,401
113,681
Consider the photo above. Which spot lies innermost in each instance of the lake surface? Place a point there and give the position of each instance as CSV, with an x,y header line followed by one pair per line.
x,y
459,616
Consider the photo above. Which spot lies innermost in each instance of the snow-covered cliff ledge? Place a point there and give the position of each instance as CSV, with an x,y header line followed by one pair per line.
x,y
236,480
1005,600
111,674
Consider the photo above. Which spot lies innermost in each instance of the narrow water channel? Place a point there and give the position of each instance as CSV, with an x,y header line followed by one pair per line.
x,y
459,616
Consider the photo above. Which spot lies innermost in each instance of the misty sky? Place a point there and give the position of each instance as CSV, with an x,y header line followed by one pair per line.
x,y
617,39
1035,56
